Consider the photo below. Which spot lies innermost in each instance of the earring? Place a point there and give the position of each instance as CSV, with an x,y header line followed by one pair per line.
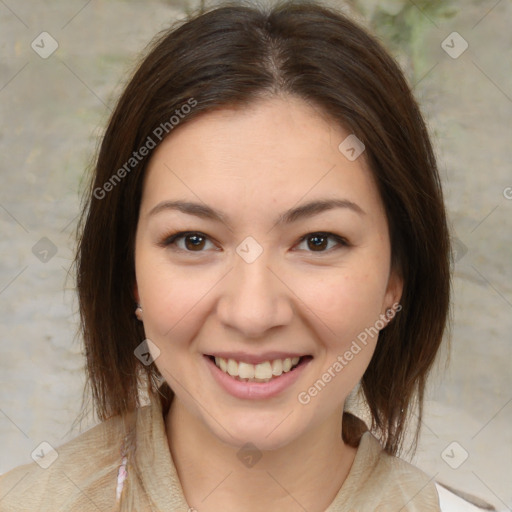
x,y
389,313
138,312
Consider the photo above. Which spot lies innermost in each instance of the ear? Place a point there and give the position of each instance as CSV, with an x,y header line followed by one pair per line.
x,y
393,291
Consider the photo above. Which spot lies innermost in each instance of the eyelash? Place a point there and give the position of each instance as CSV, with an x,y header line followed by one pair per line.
x,y
171,240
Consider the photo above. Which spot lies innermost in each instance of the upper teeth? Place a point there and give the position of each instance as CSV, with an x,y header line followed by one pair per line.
x,y
262,371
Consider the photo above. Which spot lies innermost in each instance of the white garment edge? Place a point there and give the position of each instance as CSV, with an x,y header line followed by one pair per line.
x,y
450,502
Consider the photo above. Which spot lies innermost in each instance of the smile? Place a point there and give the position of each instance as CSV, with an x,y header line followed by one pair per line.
x,y
262,372
267,376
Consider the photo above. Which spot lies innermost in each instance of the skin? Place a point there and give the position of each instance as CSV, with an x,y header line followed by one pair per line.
x,y
253,164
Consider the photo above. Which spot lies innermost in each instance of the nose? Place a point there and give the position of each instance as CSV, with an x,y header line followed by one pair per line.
x,y
254,299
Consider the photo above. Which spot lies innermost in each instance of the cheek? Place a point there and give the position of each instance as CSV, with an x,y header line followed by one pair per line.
x,y
346,306
171,296
346,300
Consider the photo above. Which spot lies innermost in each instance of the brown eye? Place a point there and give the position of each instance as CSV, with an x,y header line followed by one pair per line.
x,y
319,242
186,241
196,242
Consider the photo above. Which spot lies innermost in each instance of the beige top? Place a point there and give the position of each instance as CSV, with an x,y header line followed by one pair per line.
x,y
84,477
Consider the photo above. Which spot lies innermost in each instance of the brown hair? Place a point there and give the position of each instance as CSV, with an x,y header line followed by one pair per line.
x,y
232,55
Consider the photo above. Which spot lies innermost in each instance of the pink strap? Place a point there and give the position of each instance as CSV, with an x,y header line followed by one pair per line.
x,y
121,477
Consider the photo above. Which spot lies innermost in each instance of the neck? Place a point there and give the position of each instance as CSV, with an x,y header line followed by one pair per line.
x,y
306,474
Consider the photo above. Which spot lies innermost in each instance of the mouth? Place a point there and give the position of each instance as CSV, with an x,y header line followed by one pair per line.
x,y
263,372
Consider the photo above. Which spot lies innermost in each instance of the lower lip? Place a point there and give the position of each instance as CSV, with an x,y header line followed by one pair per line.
x,y
255,390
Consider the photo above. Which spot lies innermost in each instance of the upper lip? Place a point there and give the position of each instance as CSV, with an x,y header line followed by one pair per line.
x,y
256,358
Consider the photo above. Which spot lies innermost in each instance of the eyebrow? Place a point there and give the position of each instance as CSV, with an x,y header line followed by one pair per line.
x,y
293,215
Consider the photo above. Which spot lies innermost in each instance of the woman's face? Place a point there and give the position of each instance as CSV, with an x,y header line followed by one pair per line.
x,y
264,276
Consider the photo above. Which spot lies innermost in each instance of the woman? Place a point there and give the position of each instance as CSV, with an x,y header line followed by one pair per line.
x,y
264,233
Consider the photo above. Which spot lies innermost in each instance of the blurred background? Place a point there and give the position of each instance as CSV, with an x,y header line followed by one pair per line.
x,y
62,65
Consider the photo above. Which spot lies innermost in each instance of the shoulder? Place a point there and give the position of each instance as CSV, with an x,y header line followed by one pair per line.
x,y
379,482
78,475
401,482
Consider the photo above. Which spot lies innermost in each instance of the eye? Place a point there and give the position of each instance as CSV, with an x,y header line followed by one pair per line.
x,y
194,241
319,241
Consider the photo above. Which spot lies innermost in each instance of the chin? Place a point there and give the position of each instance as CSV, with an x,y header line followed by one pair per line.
x,y
264,432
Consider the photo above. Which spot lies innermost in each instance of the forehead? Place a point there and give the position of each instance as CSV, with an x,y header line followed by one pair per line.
x,y
271,154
